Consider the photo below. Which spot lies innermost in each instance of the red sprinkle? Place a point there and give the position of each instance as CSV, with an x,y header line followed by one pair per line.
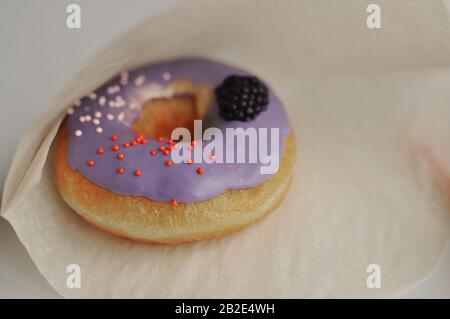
x,y
115,137
173,202
100,150
115,148
126,145
120,170
120,156
139,138
162,148
168,163
91,163
137,172
153,152
160,139
170,147
166,152
170,142
199,171
133,143
143,142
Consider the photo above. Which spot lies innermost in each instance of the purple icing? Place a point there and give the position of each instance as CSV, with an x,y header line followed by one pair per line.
x,y
157,181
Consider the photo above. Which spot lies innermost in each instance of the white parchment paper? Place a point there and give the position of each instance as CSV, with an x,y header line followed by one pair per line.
x,y
364,103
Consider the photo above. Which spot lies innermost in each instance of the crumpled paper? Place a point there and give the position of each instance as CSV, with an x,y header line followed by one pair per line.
x,y
364,104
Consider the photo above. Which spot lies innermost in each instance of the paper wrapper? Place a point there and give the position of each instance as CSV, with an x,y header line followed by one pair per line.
x,y
360,100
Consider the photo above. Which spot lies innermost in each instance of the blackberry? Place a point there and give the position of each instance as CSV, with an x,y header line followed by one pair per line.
x,y
241,98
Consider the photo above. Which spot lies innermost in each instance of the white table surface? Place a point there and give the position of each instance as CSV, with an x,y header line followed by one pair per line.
x,y
38,52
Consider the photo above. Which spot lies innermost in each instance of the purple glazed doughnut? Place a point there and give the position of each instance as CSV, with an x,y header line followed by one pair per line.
x,y
115,163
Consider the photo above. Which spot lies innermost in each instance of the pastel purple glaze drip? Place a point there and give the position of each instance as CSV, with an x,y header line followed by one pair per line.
x,y
157,181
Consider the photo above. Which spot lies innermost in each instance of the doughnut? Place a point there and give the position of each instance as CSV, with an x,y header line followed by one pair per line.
x,y
115,150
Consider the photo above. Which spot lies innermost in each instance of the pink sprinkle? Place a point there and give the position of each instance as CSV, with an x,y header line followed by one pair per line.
x,y
101,101
124,77
139,80
113,89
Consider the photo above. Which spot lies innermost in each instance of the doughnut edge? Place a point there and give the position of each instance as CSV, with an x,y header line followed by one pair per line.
x,y
148,221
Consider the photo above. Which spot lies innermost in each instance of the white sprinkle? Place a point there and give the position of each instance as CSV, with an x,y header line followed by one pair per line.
x,y
88,118
99,129
101,101
167,76
93,96
70,111
113,89
133,105
96,121
111,104
119,101
98,114
82,119
78,133
120,116
110,117
139,80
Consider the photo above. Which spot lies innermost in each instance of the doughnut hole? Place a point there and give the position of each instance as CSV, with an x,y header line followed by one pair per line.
x,y
160,116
